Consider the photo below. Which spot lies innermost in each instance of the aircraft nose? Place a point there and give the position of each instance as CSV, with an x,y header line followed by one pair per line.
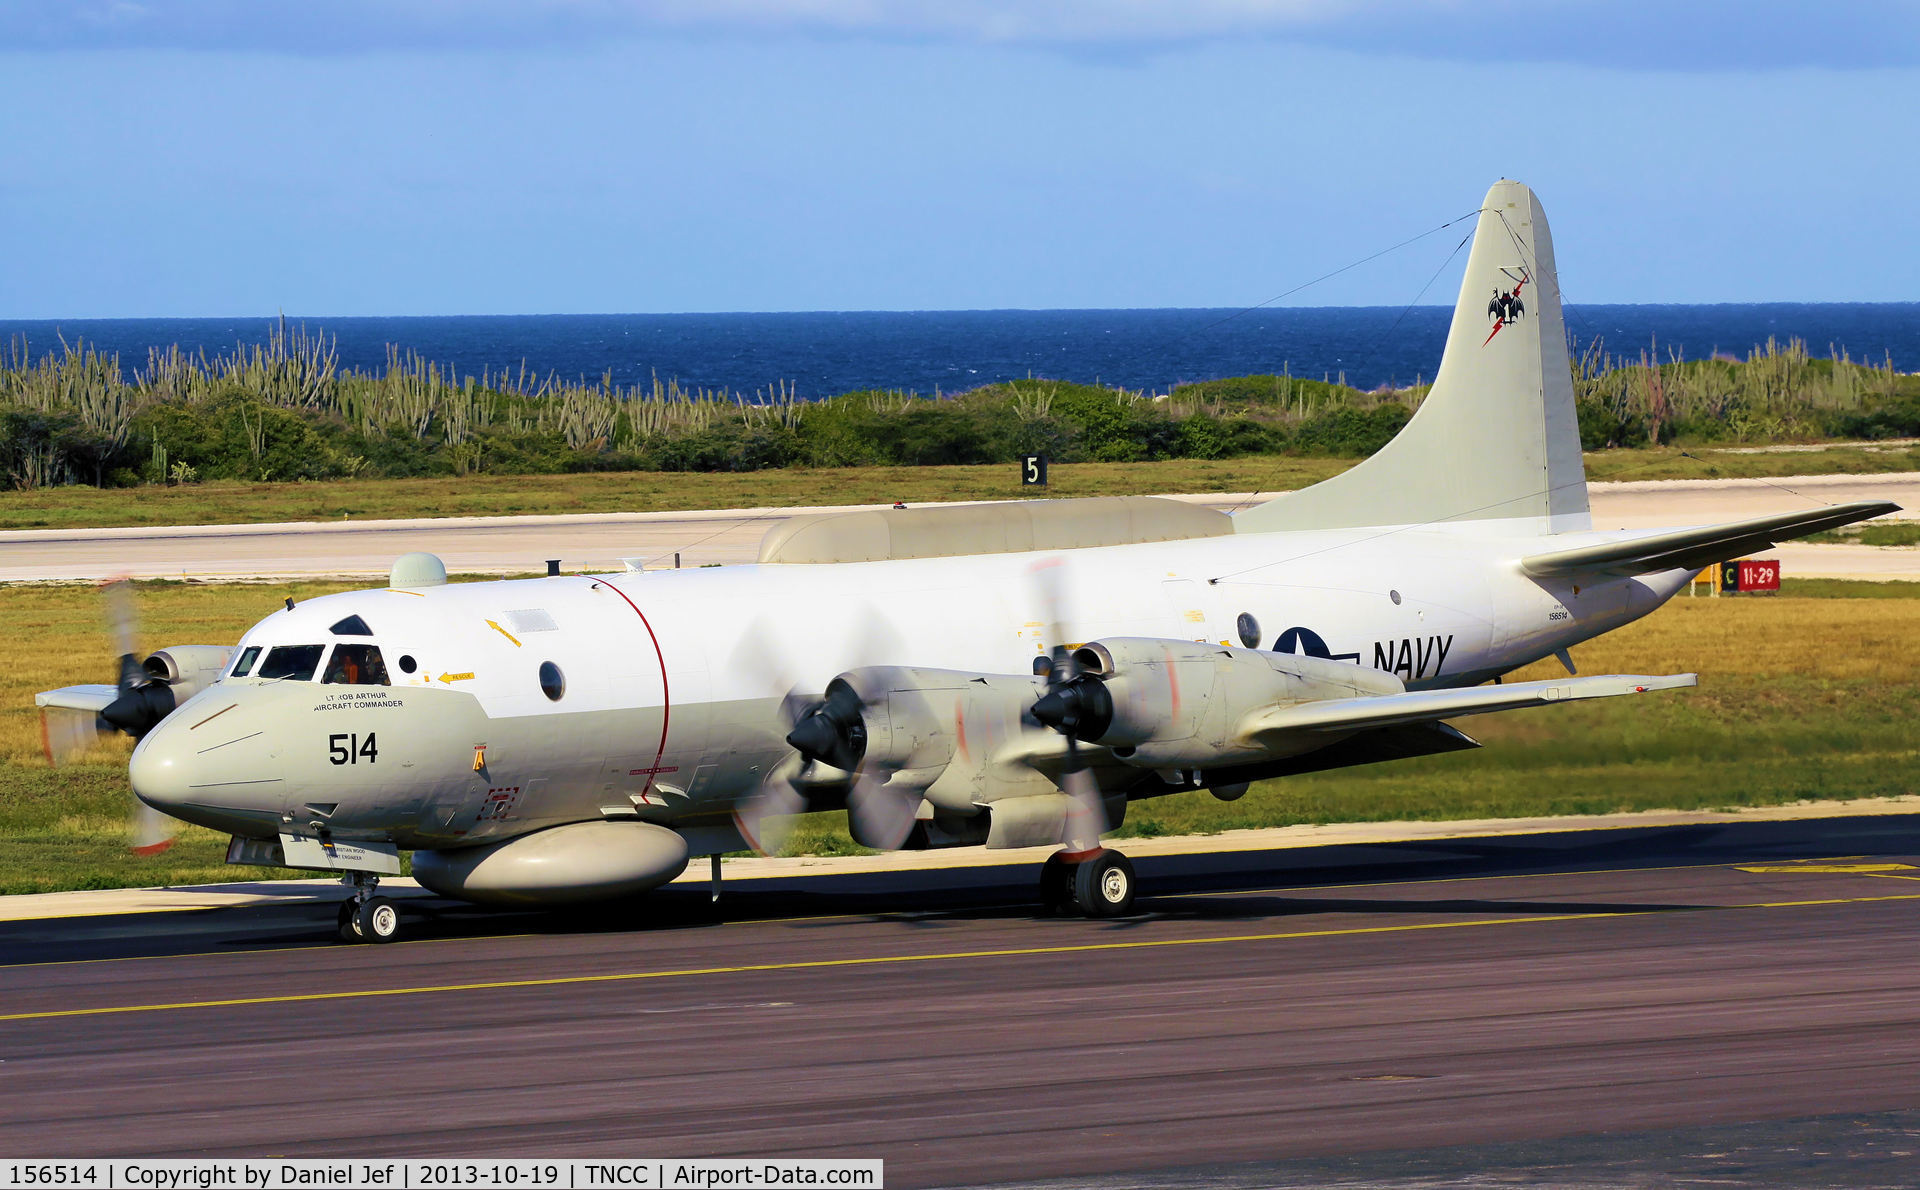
x,y
158,770
217,771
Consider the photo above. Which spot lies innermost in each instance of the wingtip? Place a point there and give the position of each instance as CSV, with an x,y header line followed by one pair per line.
x,y
1645,683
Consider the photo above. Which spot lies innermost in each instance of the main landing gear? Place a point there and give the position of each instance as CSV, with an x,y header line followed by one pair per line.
x,y
1098,883
365,917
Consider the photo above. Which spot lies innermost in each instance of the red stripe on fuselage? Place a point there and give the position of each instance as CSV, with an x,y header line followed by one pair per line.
x,y
666,699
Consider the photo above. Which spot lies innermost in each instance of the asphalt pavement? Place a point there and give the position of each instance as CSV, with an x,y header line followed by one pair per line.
x,y
1527,1004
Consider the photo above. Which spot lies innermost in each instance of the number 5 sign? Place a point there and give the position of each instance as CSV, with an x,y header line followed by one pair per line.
x,y
1033,471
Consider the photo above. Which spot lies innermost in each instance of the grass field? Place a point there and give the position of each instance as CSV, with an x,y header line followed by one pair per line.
x,y
1810,694
225,503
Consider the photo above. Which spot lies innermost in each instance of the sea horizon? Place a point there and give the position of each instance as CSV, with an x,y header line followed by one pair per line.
x,y
823,353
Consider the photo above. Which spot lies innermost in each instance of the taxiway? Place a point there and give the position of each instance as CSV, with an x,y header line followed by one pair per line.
x,y
605,541
1548,991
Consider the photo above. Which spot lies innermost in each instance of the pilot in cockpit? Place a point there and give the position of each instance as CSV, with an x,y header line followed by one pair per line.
x,y
356,665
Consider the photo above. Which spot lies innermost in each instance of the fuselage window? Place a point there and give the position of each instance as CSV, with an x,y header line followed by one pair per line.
x,y
352,626
244,666
552,682
295,663
357,665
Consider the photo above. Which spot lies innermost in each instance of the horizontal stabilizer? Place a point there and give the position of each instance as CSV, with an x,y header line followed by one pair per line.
x,y
1691,549
1419,706
77,698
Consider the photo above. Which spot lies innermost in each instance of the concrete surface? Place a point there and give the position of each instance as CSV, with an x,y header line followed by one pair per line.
x,y
500,545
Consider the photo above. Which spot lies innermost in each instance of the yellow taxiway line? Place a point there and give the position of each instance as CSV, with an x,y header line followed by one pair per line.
x,y
887,960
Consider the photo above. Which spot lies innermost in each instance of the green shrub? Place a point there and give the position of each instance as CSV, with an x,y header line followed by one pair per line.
x,y
284,411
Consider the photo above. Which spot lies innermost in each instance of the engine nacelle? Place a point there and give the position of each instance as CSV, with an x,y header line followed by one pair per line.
x,y
583,861
188,669
916,723
1178,704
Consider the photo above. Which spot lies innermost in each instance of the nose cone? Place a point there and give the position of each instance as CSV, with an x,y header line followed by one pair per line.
x,y
216,770
158,770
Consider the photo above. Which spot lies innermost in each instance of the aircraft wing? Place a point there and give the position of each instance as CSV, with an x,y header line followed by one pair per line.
x,y
92,698
69,719
1420,706
1691,549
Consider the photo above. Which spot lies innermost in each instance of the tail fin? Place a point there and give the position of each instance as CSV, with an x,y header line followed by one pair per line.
x,y
1496,438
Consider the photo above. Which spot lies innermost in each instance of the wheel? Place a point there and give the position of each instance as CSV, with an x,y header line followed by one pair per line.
x,y
1103,885
378,920
349,922
1056,883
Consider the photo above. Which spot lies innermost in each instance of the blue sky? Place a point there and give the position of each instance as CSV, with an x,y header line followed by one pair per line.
x,y
237,157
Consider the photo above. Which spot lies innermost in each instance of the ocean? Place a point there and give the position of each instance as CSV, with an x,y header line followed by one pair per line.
x,y
822,354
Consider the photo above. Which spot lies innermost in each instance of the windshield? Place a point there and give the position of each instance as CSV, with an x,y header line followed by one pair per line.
x,y
244,666
357,665
293,662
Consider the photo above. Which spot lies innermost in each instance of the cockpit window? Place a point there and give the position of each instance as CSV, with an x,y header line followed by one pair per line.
x,y
244,665
352,626
357,665
294,662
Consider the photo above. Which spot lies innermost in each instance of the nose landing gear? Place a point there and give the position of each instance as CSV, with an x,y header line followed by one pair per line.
x,y
1097,883
365,917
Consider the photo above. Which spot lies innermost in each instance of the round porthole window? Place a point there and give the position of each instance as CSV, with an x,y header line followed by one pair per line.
x,y
553,683
1249,630
1395,596
408,664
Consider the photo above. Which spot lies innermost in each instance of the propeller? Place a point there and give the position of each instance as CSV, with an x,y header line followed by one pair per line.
x,y
137,704
834,732
827,731
1077,706
767,818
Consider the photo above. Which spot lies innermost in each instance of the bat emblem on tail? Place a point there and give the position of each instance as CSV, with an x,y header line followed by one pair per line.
x,y
1507,305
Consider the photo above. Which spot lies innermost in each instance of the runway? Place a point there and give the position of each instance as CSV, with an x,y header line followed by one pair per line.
x,y
1265,1018
601,542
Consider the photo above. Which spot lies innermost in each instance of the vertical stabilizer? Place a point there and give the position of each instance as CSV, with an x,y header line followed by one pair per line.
x,y
1496,438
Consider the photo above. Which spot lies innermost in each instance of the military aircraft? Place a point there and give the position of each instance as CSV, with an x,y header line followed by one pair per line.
x,y
1007,675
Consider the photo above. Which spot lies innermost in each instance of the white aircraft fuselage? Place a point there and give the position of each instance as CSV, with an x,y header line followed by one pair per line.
x,y
673,679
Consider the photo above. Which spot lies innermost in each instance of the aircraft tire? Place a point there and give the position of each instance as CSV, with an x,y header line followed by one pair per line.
x,y
350,922
378,920
1103,886
1056,884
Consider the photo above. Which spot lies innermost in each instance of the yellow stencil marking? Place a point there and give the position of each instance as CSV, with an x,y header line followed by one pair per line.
x,y
450,678
503,632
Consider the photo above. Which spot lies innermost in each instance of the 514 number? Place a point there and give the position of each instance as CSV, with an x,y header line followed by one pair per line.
x,y
345,748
